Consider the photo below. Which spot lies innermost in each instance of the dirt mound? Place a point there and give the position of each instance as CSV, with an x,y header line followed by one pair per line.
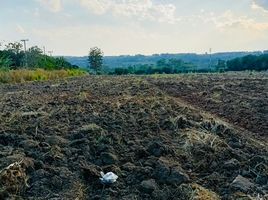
x,y
159,147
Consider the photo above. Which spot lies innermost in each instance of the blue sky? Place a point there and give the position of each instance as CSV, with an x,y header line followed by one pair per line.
x,y
71,27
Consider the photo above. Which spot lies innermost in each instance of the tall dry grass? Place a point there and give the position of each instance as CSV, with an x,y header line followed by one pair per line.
x,y
24,75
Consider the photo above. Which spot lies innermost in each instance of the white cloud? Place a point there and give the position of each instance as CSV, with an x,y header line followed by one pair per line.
x,y
140,9
229,20
260,4
96,6
76,40
52,5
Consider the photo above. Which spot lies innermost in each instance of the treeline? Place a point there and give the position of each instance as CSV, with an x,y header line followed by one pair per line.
x,y
200,60
176,66
250,62
163,66
13,57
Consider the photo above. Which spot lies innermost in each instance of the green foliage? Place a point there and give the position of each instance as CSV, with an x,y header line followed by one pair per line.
x,y
163,66
175,66
15,47
51,63
14,57
250,62
121,71
221,66
61,63
95,59
76,72
15,53
34,54
5,62
201,61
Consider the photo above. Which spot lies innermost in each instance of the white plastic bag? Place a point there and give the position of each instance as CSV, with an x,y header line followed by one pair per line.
x,y
108,178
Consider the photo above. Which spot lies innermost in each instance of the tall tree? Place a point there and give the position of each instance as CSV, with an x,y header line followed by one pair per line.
x,y
95,59
34,55
16,54
14,47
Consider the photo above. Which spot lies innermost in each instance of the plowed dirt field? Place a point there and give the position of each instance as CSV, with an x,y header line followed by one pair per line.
x,y
199,136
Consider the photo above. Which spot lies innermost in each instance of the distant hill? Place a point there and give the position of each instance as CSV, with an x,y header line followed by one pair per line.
x,y
200,60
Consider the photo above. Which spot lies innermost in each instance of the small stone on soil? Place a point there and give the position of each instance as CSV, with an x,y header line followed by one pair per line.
x,y
148,186
242,184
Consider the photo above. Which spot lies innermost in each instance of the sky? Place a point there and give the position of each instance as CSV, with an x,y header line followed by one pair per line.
x,y
129,27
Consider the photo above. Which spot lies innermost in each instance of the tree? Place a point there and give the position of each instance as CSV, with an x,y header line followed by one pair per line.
x,y
34,54
61,63
15,47
5,62
15,54
95,58
161,63
249,62
13,57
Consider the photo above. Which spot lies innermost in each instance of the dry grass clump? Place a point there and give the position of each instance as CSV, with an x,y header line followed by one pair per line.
x,y
203,193
13,179
193,138
24,75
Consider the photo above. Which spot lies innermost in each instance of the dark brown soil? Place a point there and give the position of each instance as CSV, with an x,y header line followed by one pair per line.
x,y
241,99
158,134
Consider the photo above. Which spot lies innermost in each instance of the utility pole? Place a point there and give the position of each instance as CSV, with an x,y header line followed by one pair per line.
x,y
210,59
44,50
50,52
24,43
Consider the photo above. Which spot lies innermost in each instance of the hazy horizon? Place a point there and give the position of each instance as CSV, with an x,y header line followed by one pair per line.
x,y
170,53
131,27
